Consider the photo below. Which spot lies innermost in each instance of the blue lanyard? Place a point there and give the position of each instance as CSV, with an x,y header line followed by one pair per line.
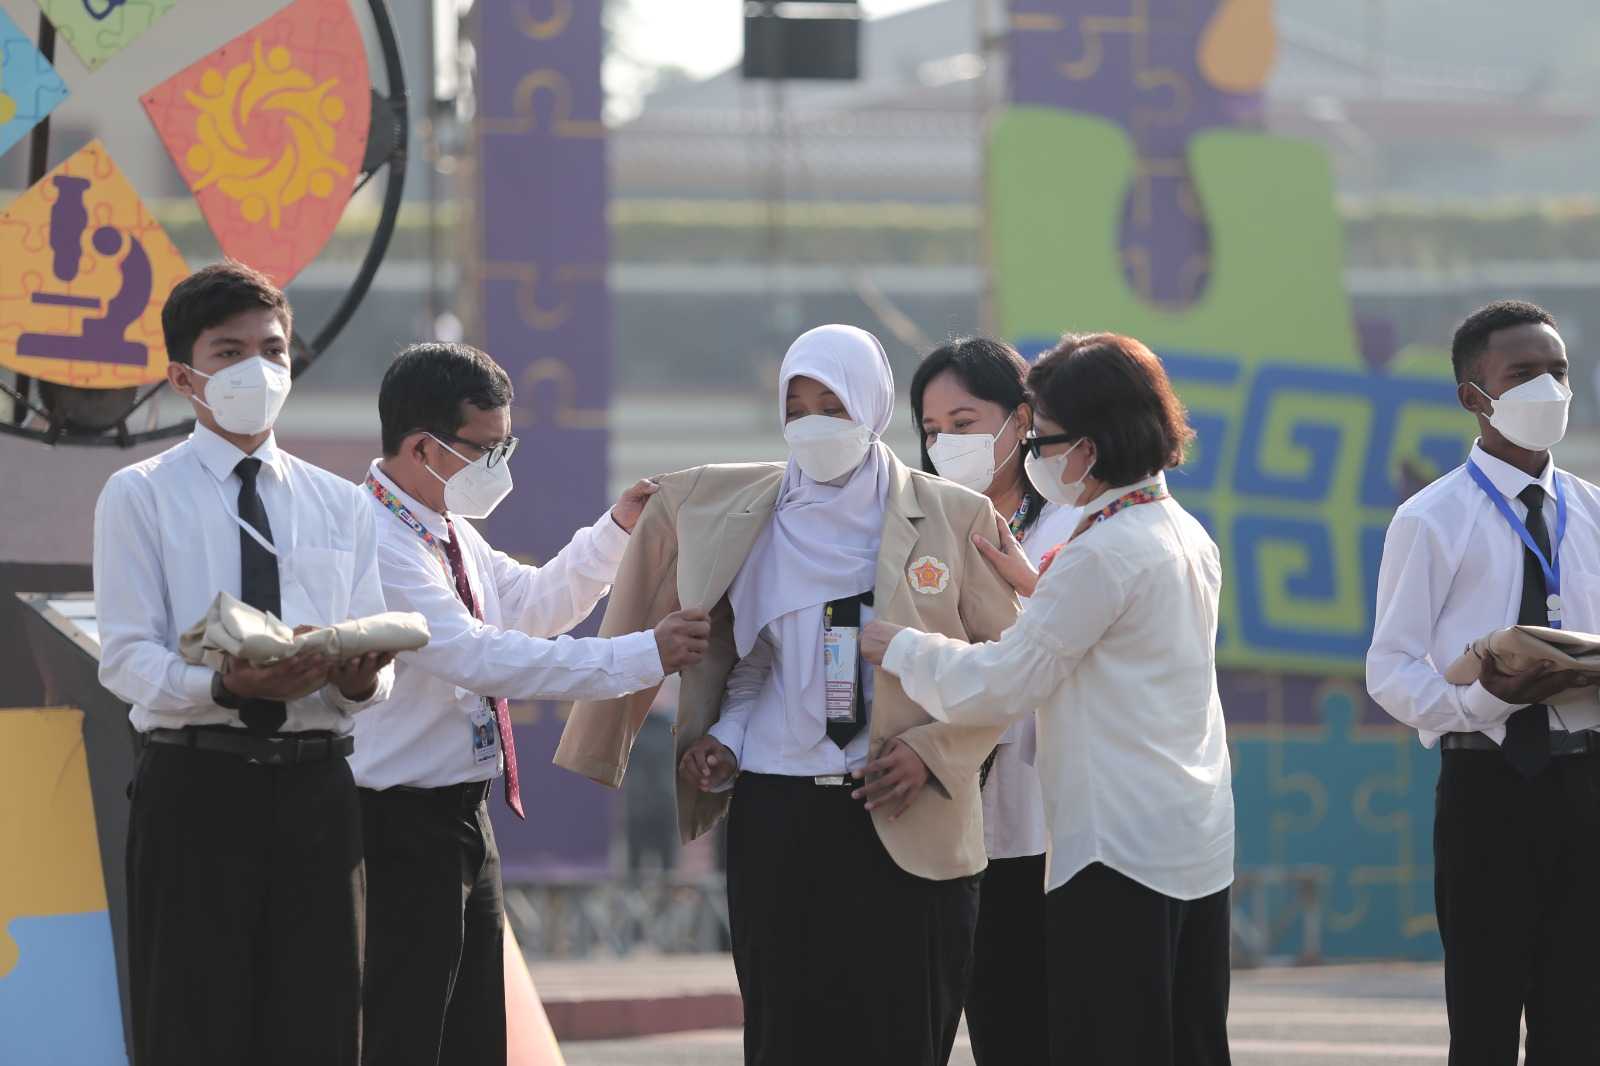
x,y
1551,566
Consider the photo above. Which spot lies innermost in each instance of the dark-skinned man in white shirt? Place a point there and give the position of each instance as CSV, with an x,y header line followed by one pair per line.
x,y
1505,539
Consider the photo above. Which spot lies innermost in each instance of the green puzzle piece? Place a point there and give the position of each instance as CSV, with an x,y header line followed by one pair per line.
x,y
99,29
1301,443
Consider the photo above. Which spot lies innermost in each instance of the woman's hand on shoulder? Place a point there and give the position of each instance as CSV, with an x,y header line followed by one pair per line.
x,y
1008,558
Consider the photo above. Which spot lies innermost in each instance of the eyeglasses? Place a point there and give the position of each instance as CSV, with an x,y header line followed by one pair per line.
x,y
498,452
1035,443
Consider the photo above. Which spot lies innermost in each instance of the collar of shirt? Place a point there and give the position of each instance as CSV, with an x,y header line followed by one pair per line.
x,y
220,457
1508,479
433,520
1106,497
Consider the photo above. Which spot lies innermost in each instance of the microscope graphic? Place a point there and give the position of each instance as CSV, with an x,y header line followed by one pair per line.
x,y
101,338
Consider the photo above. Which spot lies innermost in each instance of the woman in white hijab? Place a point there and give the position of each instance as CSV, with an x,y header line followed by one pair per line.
x,y
855,835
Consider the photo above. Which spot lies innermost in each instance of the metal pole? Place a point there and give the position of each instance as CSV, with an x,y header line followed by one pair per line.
x,y
989,49
38,164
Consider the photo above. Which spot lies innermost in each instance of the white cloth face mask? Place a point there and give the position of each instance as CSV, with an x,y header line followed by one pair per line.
x,y
968,458
1045,473
1534,414
477,488
247,396
827,448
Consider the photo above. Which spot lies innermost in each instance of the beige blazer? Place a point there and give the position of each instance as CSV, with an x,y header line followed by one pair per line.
x,y
686,550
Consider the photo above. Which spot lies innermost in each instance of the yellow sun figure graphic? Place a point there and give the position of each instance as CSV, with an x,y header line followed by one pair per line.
x,y
289,159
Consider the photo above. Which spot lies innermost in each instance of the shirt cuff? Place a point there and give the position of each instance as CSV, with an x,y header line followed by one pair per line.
x,y
1484,707
729,734
344,705
610,539
897,657
195,682
639,659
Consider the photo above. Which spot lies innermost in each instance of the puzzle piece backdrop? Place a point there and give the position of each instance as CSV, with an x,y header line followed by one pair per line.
x,y
1132,190
58,986
30,88
84,270
269,132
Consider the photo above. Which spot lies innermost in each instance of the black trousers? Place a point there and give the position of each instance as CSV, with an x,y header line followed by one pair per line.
x,y
435,991
1516,878
245,900
1006,1002
1136,978
842,956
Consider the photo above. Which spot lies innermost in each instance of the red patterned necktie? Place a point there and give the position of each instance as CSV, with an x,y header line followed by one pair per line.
x,y
502,708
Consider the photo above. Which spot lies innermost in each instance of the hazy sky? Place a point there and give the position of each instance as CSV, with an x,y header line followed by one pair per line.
x,y
703,36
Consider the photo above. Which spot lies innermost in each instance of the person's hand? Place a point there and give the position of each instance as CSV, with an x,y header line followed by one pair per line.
x,y
358,678
875,638
287,679
1528,687
1008,558
631,504
707,764
682,638
894,779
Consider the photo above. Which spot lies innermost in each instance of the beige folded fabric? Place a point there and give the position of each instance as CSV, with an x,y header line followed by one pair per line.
x,y
235,628
1518,648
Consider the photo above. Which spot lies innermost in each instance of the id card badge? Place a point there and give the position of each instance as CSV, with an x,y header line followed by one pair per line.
x,y
840,646
485,734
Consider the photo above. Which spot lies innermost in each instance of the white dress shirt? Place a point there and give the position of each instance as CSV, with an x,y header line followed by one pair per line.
x,y
1451,573
166,541
1013,805
1117,650
423,737
769,735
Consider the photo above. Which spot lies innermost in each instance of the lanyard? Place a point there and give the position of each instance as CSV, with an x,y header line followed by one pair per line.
x,y
231,509
402,512
1147,494
1551,566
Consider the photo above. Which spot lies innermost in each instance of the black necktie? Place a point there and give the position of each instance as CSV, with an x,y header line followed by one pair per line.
x,y
1527,744
847,612
258,585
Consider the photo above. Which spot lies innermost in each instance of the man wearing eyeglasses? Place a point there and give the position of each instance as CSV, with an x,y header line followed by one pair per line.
x,y
425,768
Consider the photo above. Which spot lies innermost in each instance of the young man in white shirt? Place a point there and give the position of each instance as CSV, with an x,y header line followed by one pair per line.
x,y
1505,539
244,844
427,761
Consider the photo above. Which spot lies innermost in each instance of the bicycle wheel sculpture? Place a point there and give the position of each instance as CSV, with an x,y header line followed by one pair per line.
x,y
273,132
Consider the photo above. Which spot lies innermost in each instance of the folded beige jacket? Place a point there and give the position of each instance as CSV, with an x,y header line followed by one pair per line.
x,y
245,632
1519,648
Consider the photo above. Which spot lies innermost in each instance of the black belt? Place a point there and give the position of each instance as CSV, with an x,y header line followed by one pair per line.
x,y
824,781
465,797
1561,743
278,749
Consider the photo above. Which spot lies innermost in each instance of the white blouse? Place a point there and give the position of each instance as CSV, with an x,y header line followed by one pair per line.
x,y
1117,650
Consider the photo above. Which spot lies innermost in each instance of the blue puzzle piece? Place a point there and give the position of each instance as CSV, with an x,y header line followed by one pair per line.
x,y
30,88
1354,801
59,1005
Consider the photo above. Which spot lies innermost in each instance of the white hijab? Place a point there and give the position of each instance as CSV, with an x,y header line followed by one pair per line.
x,y
822,542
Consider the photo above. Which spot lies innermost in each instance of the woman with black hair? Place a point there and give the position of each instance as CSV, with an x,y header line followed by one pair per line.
x,y
969,404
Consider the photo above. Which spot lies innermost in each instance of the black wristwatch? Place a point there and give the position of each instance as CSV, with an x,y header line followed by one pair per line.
x,y
221,696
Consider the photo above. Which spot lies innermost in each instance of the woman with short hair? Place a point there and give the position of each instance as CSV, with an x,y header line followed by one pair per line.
x,y
1116,649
